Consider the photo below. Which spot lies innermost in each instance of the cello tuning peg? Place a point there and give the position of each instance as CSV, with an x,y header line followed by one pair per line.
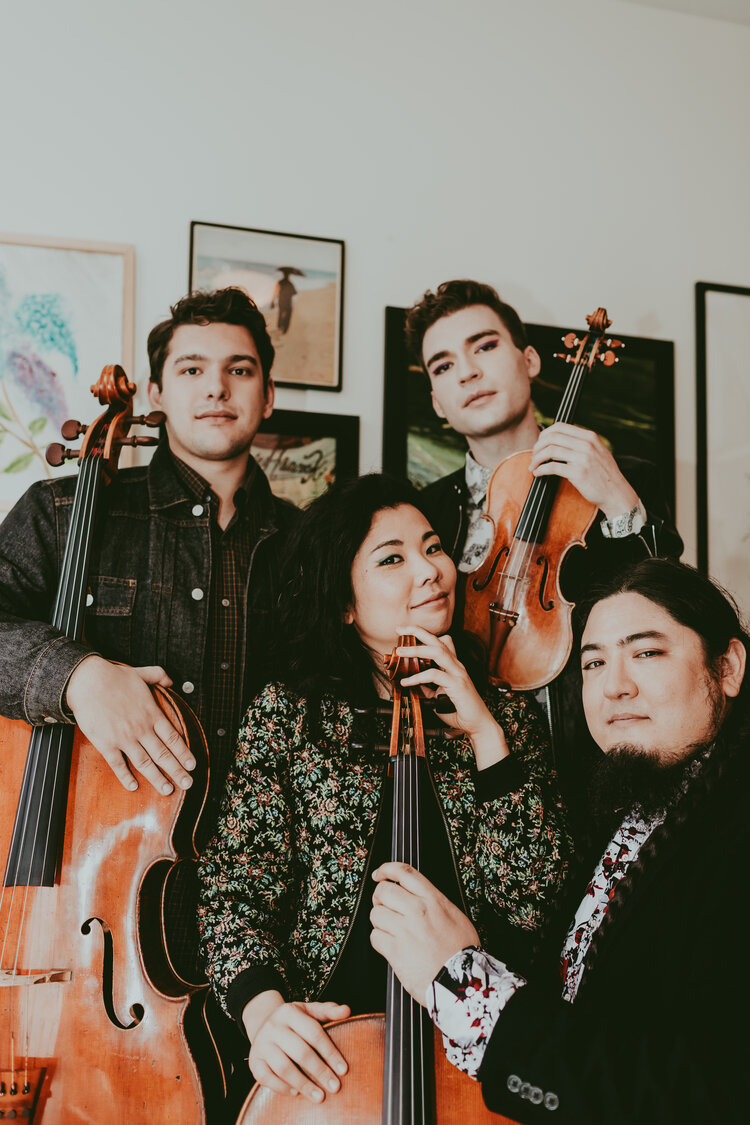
x,y
155,418
137,439
71,429
57,453
613,344
570,340
564,357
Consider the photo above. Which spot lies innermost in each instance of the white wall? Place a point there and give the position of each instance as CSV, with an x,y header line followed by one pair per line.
x,y
571,152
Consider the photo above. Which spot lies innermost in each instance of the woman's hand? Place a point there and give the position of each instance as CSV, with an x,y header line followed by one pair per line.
x,y
447,676
415,927
290,1052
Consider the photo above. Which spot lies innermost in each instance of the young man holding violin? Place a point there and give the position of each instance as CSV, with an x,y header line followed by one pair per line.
x,y
183,565
475,352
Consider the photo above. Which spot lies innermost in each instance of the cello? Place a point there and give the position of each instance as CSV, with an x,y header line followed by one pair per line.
x,y
92,1013
398,1072
513,604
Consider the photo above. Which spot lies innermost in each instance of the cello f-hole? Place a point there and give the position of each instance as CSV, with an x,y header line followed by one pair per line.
x,y
137,1011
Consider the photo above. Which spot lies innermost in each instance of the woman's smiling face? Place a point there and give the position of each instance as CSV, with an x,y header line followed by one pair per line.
x,y
400,576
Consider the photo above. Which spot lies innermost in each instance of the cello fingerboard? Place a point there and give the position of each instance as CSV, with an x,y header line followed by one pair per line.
x,y
408,1071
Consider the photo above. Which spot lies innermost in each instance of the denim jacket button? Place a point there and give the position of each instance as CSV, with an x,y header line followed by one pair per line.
x,y
187,687
197,509
89,599
196,594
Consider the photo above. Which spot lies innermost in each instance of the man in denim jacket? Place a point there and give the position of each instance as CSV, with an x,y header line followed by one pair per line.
x,y
183,562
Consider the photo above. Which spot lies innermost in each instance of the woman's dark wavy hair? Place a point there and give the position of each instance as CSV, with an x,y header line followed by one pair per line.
x,y
315,652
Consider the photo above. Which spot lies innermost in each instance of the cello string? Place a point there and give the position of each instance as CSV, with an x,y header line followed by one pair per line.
x,y
41,740
49,755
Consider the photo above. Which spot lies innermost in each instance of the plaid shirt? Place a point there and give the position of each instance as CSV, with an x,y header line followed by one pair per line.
x,y
231,554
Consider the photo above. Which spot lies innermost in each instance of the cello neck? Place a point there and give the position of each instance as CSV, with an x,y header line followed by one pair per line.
x,y
408,1091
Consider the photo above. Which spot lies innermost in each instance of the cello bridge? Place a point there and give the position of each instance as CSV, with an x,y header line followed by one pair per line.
x,y
20,978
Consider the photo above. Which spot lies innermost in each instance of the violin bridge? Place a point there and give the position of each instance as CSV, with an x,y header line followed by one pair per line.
x,y
20,978
506,616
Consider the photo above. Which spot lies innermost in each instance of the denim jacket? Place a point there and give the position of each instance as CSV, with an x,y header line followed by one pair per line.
x,y
148,588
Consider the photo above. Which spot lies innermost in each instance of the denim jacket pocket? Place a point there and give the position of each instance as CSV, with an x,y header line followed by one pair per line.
x,y
109,615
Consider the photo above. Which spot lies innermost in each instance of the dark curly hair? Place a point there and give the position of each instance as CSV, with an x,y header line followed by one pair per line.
x,y
451,297
222,306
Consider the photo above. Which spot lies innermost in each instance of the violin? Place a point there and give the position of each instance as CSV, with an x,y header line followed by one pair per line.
x,y
513,604
92,1014
398,1072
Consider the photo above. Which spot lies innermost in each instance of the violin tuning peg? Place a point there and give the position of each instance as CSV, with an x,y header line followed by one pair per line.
x,y
564,357
71,429
609,359
570,340
613,343
57,453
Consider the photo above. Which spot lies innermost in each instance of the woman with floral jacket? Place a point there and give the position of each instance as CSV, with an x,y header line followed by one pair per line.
x,y
307,816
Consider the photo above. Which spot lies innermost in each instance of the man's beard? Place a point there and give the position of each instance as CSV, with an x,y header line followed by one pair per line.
x,y
630,778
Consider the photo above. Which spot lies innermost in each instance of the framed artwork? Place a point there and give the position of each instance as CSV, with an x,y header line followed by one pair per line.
x,y
302,453
66,311
297,282
630,405
722,348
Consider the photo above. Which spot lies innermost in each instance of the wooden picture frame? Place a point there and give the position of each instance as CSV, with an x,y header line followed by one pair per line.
x,y
302,301
67,312
302,452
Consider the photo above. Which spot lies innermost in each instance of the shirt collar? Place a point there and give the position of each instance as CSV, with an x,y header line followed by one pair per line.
x,y
477,480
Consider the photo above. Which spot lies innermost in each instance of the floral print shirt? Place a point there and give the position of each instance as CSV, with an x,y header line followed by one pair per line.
x,y
284,874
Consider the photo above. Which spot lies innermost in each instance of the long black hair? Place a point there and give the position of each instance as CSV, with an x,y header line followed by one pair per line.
x,y
315,652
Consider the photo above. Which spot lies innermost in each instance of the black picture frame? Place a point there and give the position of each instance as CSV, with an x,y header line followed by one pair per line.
x,y
304,316
722,438
303,452
632,407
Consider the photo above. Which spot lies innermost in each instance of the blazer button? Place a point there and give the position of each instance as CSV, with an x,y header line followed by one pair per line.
x,y
536,1097
187,687
196,594
513,1083
551,1100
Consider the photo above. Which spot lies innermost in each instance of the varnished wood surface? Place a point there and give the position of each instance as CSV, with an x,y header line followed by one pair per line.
x,y
539,644
361,1040
95,1071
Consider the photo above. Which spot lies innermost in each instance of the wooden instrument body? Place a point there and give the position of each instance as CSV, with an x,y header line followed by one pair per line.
x,y
361,1040
105,1015
525,577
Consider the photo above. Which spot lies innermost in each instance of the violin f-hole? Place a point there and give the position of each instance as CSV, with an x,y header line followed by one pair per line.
x,y
482,585
137,1011
544,562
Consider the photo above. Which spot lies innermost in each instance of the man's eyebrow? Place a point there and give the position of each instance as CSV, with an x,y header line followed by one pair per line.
x,y
469,340
202,358
631,638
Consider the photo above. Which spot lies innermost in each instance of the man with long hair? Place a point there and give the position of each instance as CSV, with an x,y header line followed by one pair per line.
x,y
634,1010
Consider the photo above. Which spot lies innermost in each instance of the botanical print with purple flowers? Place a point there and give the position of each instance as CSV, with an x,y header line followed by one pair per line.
x,y
61,321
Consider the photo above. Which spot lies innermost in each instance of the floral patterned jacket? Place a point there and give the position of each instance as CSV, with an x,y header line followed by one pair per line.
x,y
282,878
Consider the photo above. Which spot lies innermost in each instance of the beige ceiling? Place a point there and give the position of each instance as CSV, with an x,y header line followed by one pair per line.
x,y
737,11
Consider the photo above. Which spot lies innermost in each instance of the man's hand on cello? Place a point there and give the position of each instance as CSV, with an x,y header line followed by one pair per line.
x,y
115,710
